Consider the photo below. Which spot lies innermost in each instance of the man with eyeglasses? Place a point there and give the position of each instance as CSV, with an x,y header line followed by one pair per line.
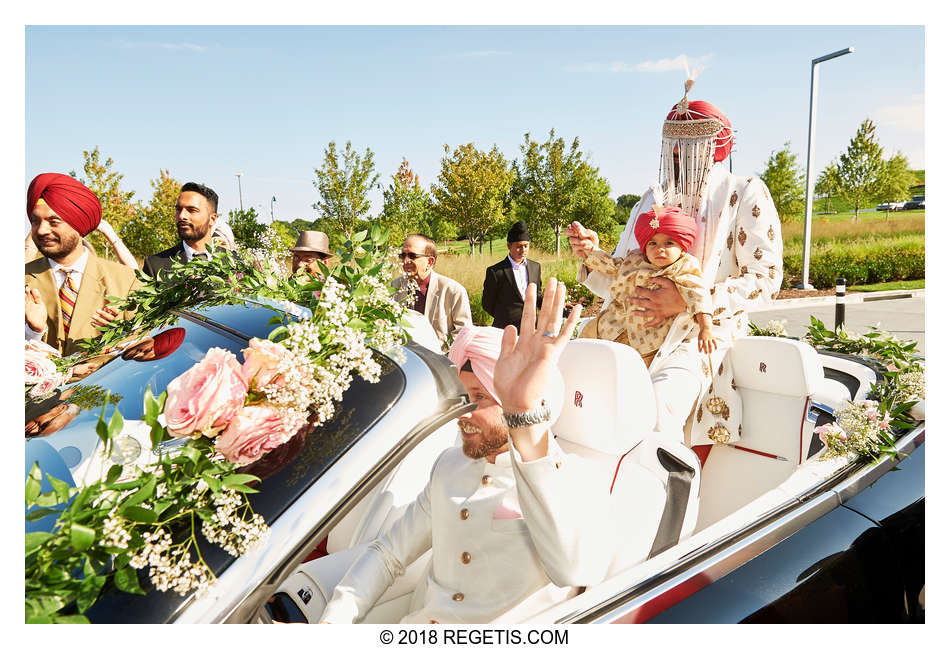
x,y
442,300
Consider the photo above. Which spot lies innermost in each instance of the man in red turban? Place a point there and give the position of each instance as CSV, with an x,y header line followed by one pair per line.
x,y
738,244
66,288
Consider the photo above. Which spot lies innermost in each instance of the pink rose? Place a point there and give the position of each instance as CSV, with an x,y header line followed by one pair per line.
x,y
45,386
38,367
42,348
203,400
255,431
261,362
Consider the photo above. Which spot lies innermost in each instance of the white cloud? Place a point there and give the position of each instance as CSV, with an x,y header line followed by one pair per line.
x,y
482,53
172,47
613,66
908,116
692,66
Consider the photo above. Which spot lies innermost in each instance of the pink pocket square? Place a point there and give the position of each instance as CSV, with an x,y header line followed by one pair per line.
x,y
503,512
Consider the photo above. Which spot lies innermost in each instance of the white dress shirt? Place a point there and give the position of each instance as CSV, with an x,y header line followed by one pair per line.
x,y
521,274
59,274
191,252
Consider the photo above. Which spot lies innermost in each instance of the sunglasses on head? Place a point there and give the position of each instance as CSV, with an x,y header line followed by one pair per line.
x,y
412,255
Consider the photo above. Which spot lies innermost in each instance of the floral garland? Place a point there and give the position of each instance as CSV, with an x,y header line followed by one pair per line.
x,y
44,369
231,415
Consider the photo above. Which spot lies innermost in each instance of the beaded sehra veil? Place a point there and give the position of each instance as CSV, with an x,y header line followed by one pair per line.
x,y
695,136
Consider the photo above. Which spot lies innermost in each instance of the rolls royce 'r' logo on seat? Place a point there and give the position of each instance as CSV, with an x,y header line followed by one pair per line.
x,y
762,367
578,399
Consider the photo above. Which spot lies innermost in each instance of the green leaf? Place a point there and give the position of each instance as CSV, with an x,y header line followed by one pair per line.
x,y
278,331
359,236
127,579
35,540
138,514
41,512
89,592
115,471
48,499
116,423
145,492
81,536
156,435
34,481
61,488
239,478
81,499
71,619
190,453
244,489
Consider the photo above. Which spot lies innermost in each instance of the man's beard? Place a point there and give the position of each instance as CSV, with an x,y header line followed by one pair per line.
x,y
488,443
58,246
193,233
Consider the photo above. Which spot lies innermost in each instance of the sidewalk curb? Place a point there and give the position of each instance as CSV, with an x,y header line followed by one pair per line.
x,y
850,298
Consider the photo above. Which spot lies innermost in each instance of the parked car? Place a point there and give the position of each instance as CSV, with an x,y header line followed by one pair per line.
x,y
917,203
780,535
890,207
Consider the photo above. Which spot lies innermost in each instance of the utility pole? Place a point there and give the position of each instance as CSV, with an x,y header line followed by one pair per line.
x,y
240,195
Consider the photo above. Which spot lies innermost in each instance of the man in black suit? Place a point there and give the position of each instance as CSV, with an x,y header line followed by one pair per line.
x,y
196,212
506,281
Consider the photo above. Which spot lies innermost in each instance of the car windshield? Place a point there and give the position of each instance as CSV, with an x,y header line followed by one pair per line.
x,y
70,454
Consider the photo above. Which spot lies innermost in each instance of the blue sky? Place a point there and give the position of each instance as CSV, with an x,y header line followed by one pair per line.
x,y
207,102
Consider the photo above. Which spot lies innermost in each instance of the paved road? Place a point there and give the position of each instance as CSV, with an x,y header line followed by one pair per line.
x,y
903,317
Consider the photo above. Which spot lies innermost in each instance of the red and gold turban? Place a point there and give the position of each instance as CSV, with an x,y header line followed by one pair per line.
x,y
702,112
671,221
72,201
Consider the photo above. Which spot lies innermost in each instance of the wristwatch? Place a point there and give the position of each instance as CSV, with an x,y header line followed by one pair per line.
x,y
537,415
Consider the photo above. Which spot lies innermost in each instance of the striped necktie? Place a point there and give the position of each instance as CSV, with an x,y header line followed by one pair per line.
x,y
67,299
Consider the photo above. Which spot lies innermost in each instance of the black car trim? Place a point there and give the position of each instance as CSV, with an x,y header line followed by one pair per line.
x,y
677,495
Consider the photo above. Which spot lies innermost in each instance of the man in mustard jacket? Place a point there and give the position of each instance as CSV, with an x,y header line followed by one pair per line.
x,y
67,288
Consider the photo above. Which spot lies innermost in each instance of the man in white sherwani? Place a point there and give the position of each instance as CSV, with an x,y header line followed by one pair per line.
x,y
739,246
514,523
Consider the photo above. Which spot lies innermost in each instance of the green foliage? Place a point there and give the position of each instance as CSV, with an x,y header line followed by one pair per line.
x,y
786,182
248,231
472,190
860,167
406,206
896,178
118,207
344,187
480,316
152,228
880,260
827,184
876,343
625,203
554,185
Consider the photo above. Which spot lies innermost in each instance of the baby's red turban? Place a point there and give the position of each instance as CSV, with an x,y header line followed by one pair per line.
x,y
72,201
672,221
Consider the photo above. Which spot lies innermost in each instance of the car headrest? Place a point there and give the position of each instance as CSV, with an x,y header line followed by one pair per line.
x,y
609,403
777,365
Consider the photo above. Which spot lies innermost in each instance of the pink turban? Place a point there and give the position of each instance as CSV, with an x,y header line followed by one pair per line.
x,y
672,221
481,346
72,201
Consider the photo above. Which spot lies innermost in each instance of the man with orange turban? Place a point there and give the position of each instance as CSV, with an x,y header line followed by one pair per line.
x,y
66,288
739,247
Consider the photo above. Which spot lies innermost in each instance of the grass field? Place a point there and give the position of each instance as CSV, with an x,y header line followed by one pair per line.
x,y
889,286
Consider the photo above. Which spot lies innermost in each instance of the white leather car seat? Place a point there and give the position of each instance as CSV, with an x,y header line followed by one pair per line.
x,y
777,379
609,415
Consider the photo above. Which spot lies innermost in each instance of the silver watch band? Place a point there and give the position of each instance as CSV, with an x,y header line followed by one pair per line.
x,y
537,415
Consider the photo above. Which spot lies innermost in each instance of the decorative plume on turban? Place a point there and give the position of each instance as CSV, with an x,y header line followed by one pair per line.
x,y
693,110
481,346
72,201
667,220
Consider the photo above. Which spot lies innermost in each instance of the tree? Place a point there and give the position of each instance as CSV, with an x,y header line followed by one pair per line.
x,y
117,205
625,203
343,190
248,231
828,183
895,180
471,190
153,227
860,167
786,182
405,205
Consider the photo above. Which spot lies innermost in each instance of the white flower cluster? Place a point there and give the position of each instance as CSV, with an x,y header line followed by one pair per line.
x,y
269,253
113,532
858,430
910,386
171,567
228,527
777,328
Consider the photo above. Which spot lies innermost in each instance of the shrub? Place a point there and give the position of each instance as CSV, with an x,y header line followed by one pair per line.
x,y
479,315
859,263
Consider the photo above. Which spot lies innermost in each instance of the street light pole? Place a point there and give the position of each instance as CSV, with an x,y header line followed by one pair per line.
x,y
240,196
273,199
809,169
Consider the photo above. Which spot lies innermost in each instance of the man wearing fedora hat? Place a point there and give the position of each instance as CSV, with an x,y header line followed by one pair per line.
x,y
505,283
311,246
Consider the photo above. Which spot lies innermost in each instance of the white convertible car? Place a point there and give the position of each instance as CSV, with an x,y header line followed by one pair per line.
x,y
765,531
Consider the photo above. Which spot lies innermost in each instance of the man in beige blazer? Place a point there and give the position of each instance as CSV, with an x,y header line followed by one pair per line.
x,y
442,300
61,212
